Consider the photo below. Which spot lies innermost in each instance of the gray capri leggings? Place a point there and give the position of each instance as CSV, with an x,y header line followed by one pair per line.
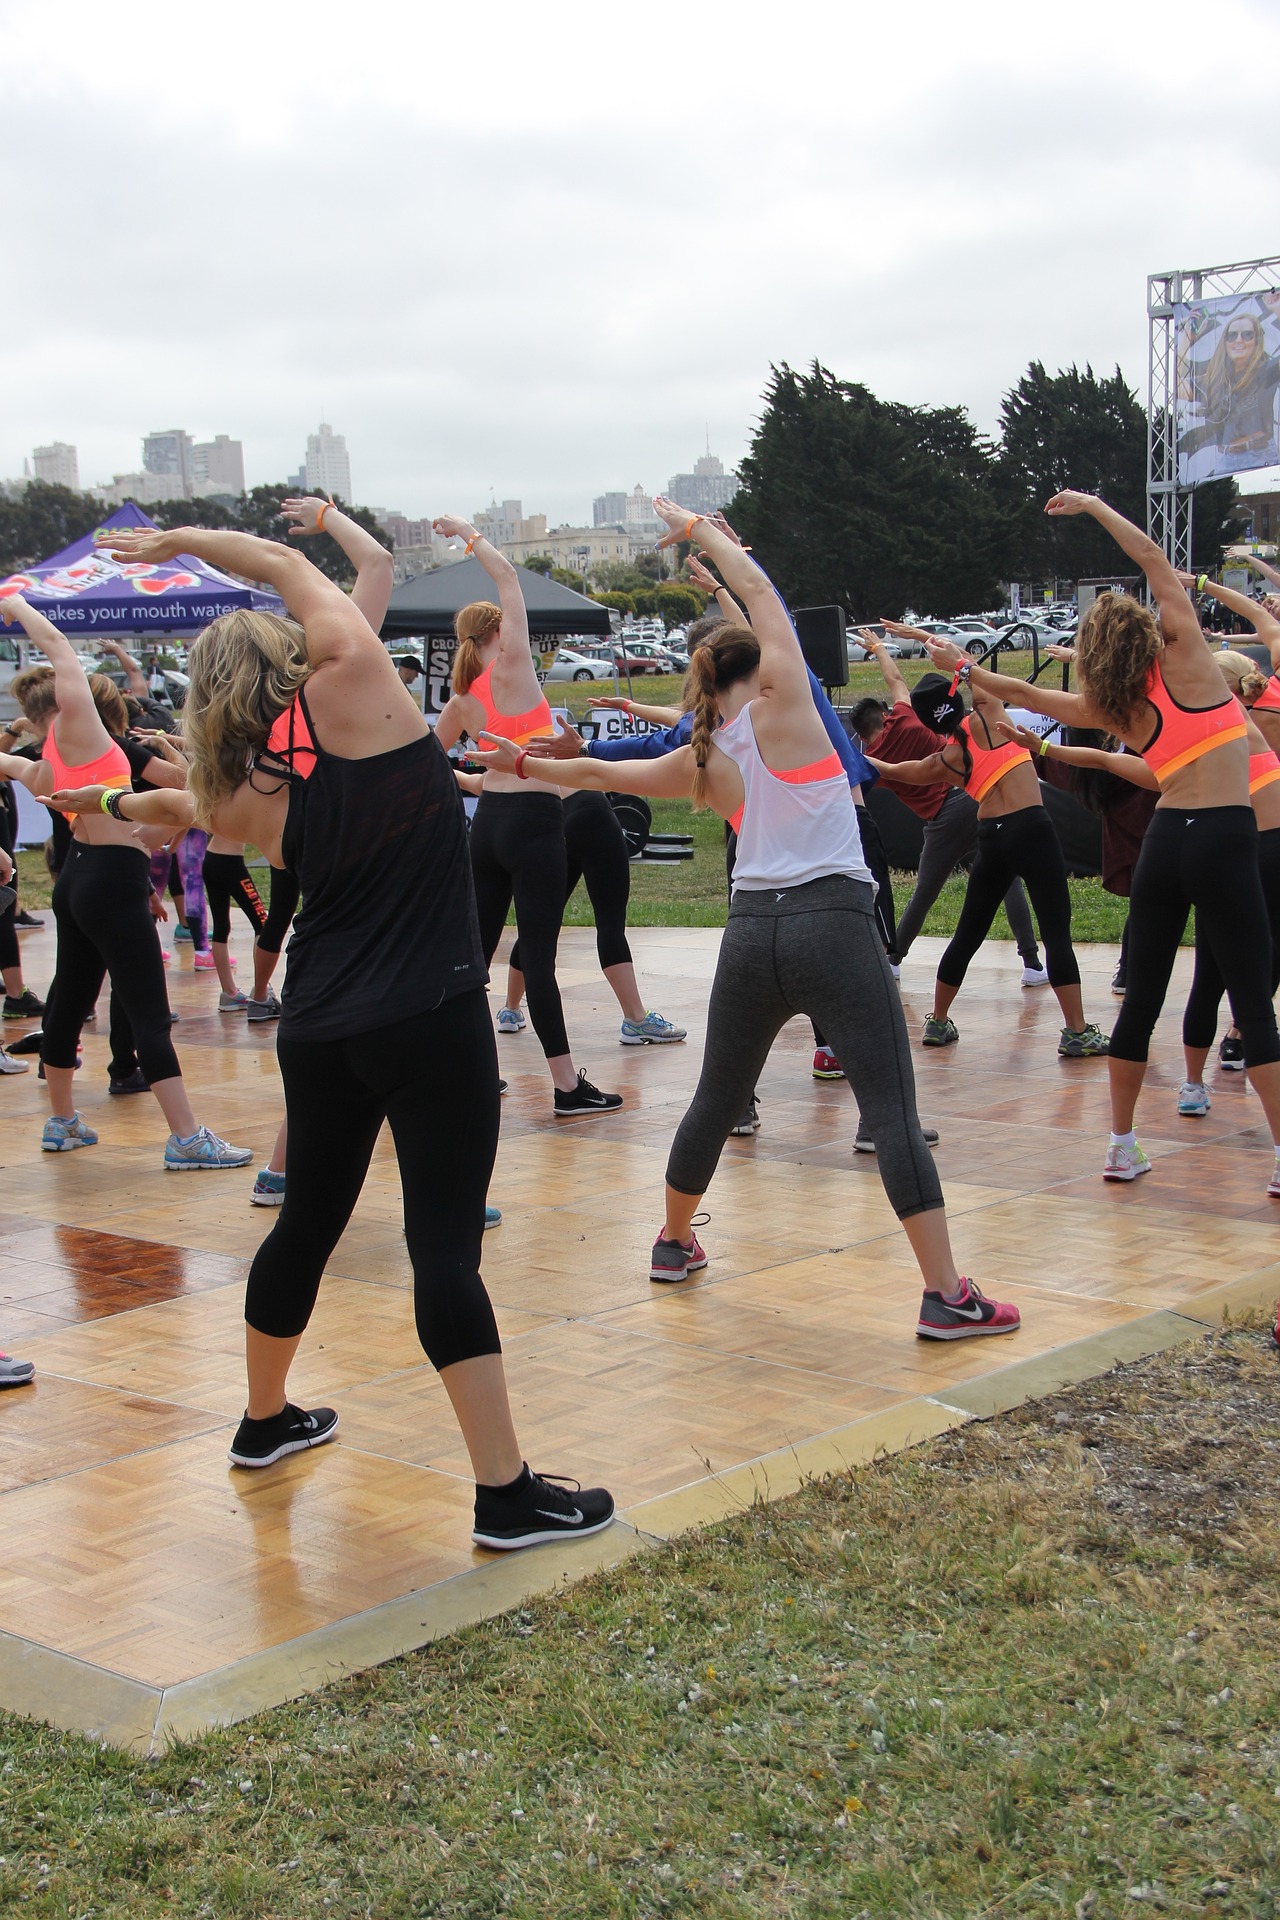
x,y
812,949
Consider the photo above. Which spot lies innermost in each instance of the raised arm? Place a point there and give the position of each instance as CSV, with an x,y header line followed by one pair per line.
x,y
514,644
1264,624
1177,615
81,731
899,692
372,562
1071,707
336,630
782,665
706,582
135,680
1260,566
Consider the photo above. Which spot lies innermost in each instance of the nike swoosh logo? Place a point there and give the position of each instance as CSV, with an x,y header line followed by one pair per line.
x,y
573,1519
972,1312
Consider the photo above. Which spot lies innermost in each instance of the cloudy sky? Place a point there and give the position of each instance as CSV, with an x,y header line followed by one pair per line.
x,y
544,253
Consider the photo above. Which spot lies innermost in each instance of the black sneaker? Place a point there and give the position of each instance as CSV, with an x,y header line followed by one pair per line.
x,y
135,1082
25,1042
1117,983
1230,1053
538,1508
24,919
583,1101
23,1006
749,1123
258,1443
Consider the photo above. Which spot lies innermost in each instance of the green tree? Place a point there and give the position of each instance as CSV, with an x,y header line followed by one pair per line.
x,y
567,578
620,576
678,605
42,520
620,602
539,563
869,503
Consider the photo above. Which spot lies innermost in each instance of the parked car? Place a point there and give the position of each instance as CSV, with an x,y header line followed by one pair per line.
x,y
569,665
857,652
643,656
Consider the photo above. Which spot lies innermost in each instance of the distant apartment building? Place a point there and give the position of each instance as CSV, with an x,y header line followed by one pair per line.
x,y
146,488
609,510
58,464
217,466
706,489
509,522
578,548
169,454
328,468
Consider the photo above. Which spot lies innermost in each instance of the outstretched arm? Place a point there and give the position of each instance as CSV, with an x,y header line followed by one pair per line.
x,y
670,778
1071,707
75,697
932,771
1177,615
1125,766
163,807
1260,566
34,775
372,562
656,716
1264,624
335,629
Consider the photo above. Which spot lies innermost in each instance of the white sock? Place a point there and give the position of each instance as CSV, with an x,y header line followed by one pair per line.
x,y
1124,1139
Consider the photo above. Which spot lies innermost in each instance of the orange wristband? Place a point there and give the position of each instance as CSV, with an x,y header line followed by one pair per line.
x,y
471,542
692,524
320,516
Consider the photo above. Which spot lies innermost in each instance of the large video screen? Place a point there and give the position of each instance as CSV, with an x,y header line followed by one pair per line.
x,y
1228,381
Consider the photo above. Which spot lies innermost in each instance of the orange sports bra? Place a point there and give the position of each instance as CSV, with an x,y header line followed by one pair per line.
x,y
110,769
519,728
824,769
291,741
1264,768
1184,734
1269,698
990,764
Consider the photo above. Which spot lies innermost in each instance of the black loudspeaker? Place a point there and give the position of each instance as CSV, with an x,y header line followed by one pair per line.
x,y
821,634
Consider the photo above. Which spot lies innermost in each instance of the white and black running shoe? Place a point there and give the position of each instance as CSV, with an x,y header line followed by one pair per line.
x,y
260,1443
537,1508
585,1100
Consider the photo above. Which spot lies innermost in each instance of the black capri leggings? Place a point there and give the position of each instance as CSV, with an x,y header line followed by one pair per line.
x,y
1200,1019
1207,860
813,950
9,954
596,851
100,904
518,852
227,879
284,904
1016,846
337,1095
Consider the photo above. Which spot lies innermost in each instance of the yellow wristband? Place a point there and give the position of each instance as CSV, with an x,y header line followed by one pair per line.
x,y
106,796
1044,745
1202,581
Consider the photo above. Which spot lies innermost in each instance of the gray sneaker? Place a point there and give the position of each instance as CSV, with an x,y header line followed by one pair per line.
x,y
15,1373
1088,1044
203,1149
9,1065
267,1009
940,1033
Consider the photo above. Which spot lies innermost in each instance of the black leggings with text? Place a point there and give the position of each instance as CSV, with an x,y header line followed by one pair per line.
x,y
596,852
227,880
1207,860
337,1095
518,853
1015,846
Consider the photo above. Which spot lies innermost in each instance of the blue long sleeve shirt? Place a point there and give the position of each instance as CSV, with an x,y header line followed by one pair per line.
x,y
653,746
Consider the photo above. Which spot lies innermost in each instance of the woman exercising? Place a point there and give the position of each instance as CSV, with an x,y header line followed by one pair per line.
x,y
801,933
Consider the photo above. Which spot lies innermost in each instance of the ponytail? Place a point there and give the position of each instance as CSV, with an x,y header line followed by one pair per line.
x,y
731,653
472,626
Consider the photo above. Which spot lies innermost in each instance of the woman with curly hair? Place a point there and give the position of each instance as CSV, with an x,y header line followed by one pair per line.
x,y
801,936
1150,679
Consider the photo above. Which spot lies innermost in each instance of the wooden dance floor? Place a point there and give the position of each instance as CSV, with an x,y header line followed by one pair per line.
x,y
147,1589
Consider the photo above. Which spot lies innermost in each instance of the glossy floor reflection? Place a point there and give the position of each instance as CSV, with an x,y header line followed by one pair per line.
x,y
133,1548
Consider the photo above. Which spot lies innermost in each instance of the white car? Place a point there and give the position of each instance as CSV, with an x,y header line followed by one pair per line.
x,y
577,666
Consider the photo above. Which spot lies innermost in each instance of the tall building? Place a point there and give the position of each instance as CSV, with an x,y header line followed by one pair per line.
x,y
706,489
328,468
609,510
639,515
57,464
170,453
217,466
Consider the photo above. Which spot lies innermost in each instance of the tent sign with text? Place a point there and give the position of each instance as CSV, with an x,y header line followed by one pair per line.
x,y
1228,385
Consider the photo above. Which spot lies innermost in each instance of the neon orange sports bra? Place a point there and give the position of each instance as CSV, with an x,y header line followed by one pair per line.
x,y
990,764
1184,734
110,769
290,739
1269,698
825,769
1264,768
519,728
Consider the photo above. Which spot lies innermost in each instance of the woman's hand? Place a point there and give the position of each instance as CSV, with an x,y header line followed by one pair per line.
x,y
679,521
871,641
76,799
501,754
170,747
1059,650
159,911
140,543
619,701
12,608
701,576
565,745
1069,501
153,838
1022,736
718,521
305,511
451,527
943,653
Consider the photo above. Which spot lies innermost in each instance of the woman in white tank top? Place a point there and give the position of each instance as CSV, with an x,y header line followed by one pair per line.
x,y
801,936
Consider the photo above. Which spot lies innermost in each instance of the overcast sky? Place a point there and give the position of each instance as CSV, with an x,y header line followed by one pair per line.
x,y
544,253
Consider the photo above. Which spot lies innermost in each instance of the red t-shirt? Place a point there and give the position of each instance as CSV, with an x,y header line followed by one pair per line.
x,y
906,738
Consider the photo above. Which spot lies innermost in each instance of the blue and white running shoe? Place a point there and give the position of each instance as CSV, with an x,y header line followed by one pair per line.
x,y
492,1218
203,1149
60,1136
268,1189
510,1020
652,1031
1193,1099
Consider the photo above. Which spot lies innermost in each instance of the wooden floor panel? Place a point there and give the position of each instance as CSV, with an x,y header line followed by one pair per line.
x,y
130,1543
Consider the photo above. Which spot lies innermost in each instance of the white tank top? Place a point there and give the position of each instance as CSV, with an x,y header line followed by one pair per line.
x,y
792,827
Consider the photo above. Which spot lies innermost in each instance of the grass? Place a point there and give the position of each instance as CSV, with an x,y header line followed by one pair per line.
x,y
1026,1671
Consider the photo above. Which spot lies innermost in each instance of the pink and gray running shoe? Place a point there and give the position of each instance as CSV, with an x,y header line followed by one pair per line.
x,y
963,1319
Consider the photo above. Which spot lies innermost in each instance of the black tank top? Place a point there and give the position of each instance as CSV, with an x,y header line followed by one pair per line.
x,y
388,923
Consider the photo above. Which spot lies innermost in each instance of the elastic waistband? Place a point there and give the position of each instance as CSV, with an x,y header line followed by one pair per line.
x,y
81,849
1205,816
1030,814
510,800
833,893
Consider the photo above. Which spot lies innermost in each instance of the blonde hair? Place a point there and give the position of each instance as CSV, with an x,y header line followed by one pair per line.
x,y
1116,648
246,669
36,691
1242,675
473,624
730,654
109,701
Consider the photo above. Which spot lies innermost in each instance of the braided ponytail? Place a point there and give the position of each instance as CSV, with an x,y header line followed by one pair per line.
x,y
473,624
730,654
